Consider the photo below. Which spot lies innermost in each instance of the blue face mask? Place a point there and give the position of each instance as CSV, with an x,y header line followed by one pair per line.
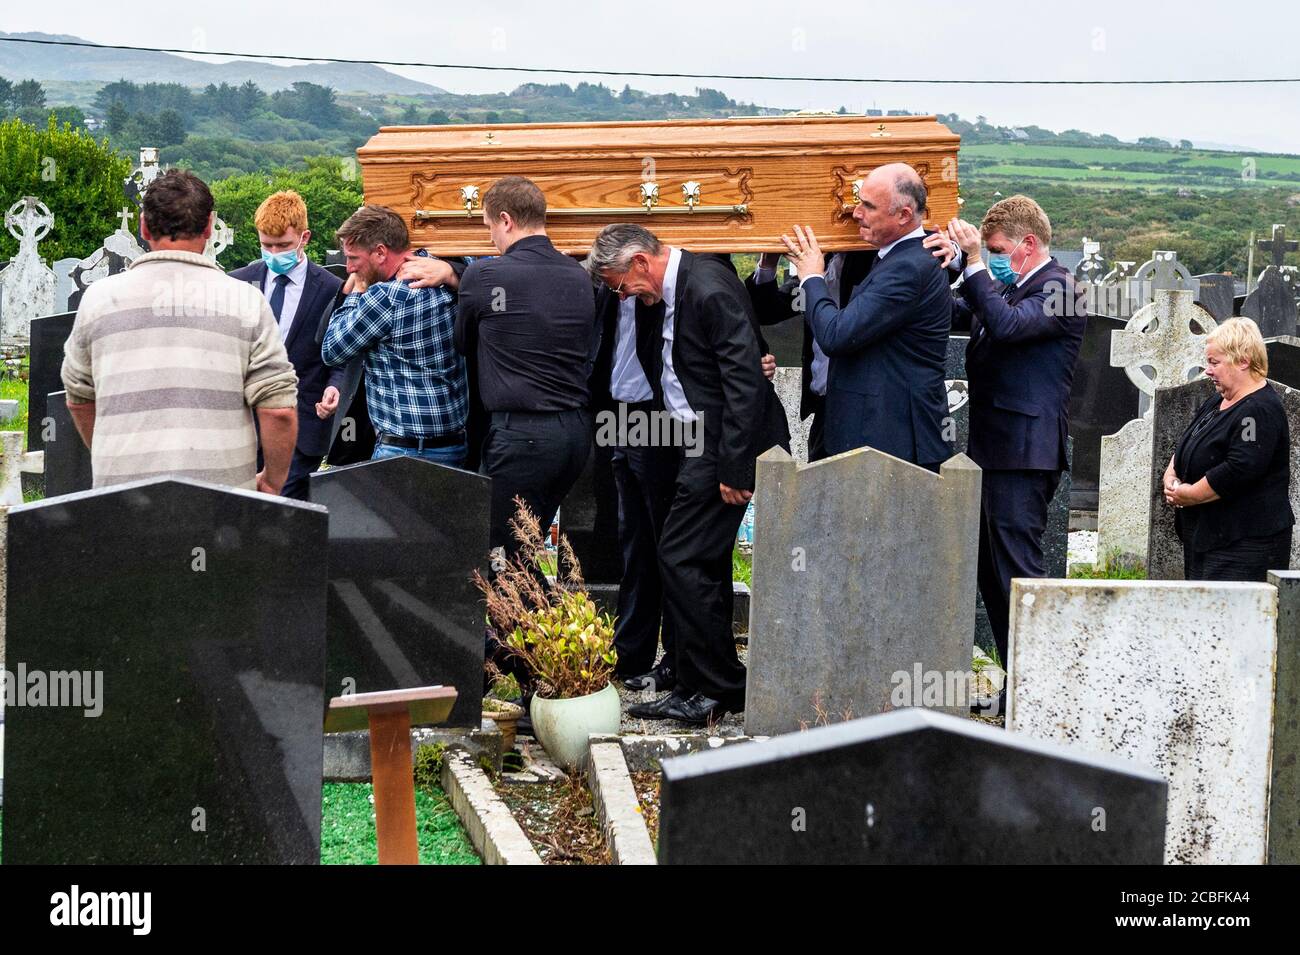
x,y
280,263
1000,266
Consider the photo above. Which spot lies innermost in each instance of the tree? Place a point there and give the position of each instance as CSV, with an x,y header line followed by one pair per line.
x,y
712,99
1185,144
249,99
6,95
325,186
116,118
28,93
411,115
438,117
78,177
169,128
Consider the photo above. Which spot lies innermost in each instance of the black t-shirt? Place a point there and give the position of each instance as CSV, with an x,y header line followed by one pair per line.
x,y
528,320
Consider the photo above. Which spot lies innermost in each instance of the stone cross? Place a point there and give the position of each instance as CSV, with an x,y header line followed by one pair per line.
x,y
1092,265
1161,337
1161,271
125,216
27,284
135,184
219,241
1279,245
13,462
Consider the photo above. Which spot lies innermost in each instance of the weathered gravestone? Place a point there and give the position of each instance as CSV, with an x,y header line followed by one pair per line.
x,y
13,465
1175,408
864,587
1160,346
788,383
1102,400
405,536
908,787
26,284
184,635
1284,790
118,251
67,459
1272,303
63,284
1284,359
45,371
1176,675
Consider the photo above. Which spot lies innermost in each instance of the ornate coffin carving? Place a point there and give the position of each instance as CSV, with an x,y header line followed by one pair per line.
x,y
717,185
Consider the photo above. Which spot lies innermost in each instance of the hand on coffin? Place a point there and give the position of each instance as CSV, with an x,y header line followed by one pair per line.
x,y
427,272
328,404
733,496
966,236
804,253
769,367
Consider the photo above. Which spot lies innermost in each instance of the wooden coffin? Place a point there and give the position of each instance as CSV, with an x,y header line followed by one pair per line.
x,y
714,185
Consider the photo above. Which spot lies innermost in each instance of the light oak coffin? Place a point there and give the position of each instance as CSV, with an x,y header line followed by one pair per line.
x,y
714,185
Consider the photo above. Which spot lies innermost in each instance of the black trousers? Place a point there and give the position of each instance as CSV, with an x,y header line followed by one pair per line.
x,y
695,560
1248,559
537,456
646,480
1013,517
300,471
817,430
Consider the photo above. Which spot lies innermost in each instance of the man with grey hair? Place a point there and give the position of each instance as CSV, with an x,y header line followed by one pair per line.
x,y
885,381
704,369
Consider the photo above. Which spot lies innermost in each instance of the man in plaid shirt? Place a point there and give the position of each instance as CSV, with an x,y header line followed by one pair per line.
x,y
416,387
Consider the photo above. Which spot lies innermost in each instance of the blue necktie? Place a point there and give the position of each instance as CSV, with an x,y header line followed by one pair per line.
x,y
277,296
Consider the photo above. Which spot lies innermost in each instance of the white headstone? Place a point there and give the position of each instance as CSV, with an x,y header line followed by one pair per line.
x,y
26,284
1176,675
1124,514
63,284
788,383
13,462
219,241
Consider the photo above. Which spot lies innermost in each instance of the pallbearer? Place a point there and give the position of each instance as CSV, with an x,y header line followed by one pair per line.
x,y
706,372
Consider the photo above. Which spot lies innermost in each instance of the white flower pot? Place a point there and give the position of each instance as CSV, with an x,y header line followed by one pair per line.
x,y
562,726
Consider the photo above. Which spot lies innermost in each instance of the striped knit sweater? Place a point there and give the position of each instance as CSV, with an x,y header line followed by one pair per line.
x,y
175,355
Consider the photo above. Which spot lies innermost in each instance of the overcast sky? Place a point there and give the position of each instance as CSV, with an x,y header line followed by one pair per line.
x,y
1101,39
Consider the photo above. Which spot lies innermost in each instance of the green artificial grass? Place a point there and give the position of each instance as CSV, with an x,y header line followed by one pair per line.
x,y
347,834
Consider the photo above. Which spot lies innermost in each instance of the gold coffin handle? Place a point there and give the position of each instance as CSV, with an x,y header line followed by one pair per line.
x,y
739,209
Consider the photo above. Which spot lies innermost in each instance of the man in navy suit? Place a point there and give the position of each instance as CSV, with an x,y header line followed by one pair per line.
x,y
885,381
1026,320
302,296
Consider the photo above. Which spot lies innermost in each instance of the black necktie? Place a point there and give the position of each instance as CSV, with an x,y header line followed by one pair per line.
x,y
277,295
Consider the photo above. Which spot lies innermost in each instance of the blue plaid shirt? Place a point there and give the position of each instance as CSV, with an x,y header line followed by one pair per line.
x,y
415,380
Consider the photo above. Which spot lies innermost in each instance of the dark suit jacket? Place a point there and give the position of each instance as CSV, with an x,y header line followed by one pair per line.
x,y
717,360
649,335
1020,364
774,303
319,291
887,348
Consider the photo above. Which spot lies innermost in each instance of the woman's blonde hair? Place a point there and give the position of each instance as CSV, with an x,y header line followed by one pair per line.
x,y
1239,339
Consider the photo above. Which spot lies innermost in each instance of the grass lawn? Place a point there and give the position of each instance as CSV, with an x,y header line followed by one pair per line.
x,y
347,834
13,388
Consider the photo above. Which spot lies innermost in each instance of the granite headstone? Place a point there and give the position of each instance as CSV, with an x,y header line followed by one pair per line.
x,y
1102,399
1272,304
908,787
194,616
864,569
1215,294
45,370
405,537
1284,790
67,459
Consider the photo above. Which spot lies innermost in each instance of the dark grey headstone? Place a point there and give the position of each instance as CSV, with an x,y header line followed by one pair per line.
x,y
67,459
1284,360
1173,413
1102,400
405,538
1284,789
589,519
1272,305
910,786
204,609
1215,295
45,373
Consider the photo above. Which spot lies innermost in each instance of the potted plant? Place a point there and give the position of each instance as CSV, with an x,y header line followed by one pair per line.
x,y
565,642
506,715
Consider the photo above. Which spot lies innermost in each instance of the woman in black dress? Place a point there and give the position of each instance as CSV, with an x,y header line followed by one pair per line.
x,y
1230,475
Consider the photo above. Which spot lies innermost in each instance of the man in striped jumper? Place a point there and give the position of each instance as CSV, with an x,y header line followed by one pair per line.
x,y
168,362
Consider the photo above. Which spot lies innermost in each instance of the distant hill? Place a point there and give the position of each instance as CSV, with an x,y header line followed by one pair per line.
x,y
77,63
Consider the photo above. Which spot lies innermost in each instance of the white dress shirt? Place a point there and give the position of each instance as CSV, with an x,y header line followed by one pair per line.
x,y
674,397
628,382
292,292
